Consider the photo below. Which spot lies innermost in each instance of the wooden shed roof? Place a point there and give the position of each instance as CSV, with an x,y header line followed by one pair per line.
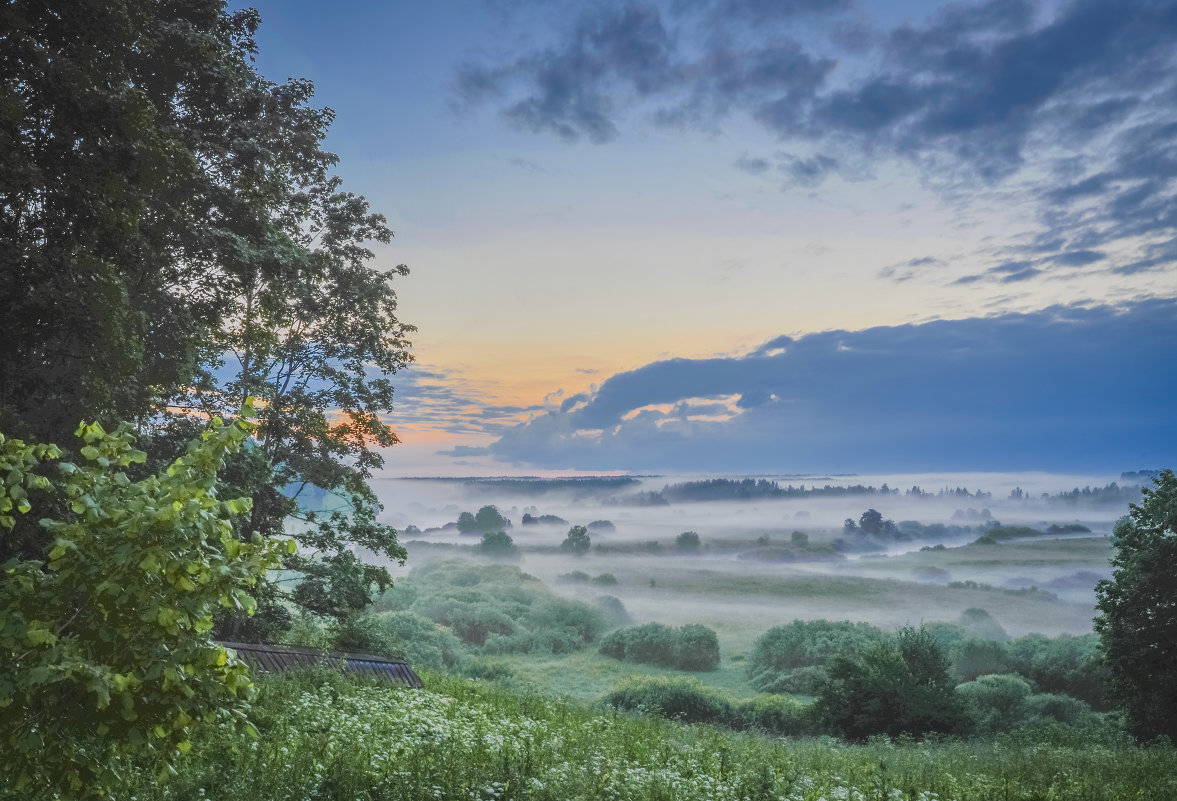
x,y
277,658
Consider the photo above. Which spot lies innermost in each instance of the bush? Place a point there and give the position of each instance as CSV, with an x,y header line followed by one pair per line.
x,y
613,609
792,658
692,647
899,686
487,670
575,577
776,715
362,634
980,624
971,658
599,526
685,700
1064,664
995,702
423,643
687,541
604,580
697,648
498,608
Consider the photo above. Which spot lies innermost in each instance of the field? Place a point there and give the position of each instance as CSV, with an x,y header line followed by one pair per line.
x,y
326,737
517,687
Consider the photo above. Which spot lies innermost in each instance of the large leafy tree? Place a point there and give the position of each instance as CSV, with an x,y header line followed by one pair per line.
x,y
1137,621
175,241
105,643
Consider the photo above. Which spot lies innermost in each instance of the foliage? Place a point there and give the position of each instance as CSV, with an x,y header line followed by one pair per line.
x,y
684,700
495,608
105,646
362,634
775,715
1065,664
174,243
577,542
1137,621
980,624
488,519
498,543
688,541
793,658
897,686
613,609
995,702
330,737
423,643
691,647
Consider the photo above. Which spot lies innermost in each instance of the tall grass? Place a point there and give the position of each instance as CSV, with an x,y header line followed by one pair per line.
x,y
323,736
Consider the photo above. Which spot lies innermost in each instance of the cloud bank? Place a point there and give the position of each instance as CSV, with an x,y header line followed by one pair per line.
x,y
1065,388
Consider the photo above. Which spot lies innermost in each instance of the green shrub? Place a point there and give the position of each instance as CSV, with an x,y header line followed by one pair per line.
x,y
685,700
575,577
423,643
899,686
981,625
487,669
604,580
793,658
687,541
1059,707
362,634
692,647
697,648
995,702
613,609
973,657
776,715
499,608
1065,664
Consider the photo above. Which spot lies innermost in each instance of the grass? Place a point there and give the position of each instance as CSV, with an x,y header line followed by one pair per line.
x,y
323,736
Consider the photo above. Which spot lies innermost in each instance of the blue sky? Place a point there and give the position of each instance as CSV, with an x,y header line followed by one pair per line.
x,y
765,235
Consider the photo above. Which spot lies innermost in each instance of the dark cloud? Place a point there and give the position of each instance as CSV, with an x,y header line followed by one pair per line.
x,y
807,171
912,268
567,89
1063,388
752,166
761,11
1085,91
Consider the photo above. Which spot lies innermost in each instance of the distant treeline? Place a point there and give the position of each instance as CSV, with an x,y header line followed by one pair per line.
x,y
743,489
729,489
575,484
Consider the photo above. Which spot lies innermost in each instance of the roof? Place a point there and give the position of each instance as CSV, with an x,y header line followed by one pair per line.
x,y
277,658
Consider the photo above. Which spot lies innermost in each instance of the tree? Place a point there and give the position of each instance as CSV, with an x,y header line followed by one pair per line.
x,y
497,543
577,541
687,541
1137,620
898,686
105,647
174,242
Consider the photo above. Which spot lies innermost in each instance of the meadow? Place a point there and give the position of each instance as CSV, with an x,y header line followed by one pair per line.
x,y
325,736
529,695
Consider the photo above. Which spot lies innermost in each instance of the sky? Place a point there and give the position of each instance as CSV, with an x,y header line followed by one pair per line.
x,y
764,235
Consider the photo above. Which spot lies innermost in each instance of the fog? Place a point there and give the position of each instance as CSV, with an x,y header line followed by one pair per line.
x,y
749,573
